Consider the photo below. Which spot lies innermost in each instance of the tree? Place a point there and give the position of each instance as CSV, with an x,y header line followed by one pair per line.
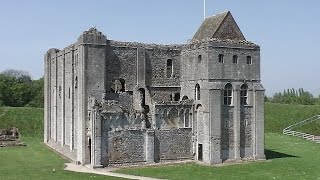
x,y
18,89
292,96
15,73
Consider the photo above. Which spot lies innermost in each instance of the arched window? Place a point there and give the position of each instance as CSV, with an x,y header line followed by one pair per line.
x,y
186,118
227,94
243,94
197,92
199,58
169,68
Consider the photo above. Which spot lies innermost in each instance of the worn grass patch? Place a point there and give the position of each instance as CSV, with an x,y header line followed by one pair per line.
x,y
36,162
289,158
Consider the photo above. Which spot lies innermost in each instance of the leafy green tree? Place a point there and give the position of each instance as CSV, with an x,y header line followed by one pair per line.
x,y
18,89
292,96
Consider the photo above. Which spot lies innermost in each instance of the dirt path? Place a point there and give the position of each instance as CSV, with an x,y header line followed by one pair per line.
x,y
102,171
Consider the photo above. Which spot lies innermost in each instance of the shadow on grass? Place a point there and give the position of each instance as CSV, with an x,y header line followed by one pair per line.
x,y
270,154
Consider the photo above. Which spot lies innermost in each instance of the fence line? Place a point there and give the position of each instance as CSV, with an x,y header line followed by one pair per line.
x,y
309,137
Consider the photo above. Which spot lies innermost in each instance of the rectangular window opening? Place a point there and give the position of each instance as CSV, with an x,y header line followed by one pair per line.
x,y
249,60
235,59
221,58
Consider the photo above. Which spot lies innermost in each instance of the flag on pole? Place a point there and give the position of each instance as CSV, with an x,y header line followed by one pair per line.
x,y
204,9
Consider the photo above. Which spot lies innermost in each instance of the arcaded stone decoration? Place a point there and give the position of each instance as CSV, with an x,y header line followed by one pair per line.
x,y
119,103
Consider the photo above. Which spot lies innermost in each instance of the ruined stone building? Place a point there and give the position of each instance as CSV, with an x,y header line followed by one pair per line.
x,y
109,102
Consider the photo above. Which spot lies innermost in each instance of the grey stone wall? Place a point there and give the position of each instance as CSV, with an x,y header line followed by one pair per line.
x,y
173,144
163,94
95,57
246,131
230,70
76,96
69,65
65,150
60,81
53,96
227,130
121,63
125,99
156,67
62,72
246,128
125,147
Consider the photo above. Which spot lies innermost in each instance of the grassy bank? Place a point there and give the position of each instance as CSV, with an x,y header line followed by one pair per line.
x,y
280,116
28,120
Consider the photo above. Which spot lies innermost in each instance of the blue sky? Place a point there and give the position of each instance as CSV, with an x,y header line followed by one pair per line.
x,y
286,30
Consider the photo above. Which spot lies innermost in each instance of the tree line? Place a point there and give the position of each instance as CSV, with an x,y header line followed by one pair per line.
x,y
294,96
17,89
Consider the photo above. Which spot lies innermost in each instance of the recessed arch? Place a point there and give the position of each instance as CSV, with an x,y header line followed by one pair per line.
x,y
197,92
244,94
169,70
185,98
227,94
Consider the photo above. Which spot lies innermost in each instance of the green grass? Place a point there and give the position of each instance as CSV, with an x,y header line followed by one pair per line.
x,y
280,116
311,128
289,158
36,162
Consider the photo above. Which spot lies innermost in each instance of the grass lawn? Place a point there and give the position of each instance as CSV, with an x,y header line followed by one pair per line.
x,y
289,158
36,162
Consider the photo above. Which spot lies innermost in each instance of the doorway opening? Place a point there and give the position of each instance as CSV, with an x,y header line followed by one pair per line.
x,y
200,150
89,148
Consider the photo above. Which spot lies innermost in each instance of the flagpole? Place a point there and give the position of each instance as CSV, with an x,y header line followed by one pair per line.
x,y
204,9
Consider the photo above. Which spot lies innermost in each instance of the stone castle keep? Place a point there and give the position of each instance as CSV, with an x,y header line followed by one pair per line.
x,y
110,103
